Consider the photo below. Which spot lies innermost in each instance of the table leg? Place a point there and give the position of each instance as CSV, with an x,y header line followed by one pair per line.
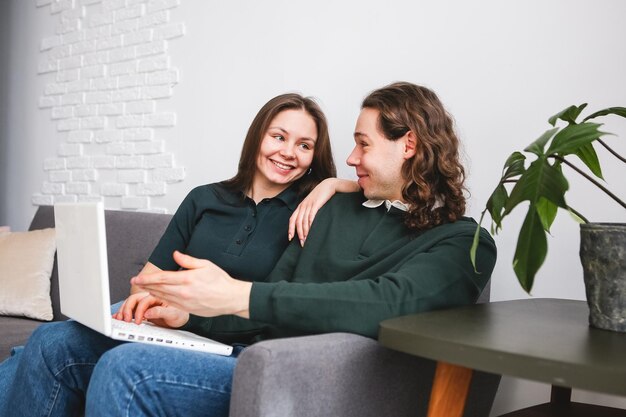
x,y
449,392
560,395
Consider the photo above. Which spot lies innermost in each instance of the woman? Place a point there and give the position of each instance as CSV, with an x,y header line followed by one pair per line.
x,y
287,143
239,224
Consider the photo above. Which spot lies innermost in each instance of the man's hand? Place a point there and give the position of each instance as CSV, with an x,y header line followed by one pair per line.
x,y
202,288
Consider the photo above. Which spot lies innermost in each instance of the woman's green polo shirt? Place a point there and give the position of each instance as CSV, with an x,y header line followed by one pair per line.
x,y
228,228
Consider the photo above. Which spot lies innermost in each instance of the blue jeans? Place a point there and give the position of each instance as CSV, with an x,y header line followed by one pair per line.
x,y
7,374
67,369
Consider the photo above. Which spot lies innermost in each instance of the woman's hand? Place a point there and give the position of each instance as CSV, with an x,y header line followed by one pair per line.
x,y
302,218
127,310
142,306
201,288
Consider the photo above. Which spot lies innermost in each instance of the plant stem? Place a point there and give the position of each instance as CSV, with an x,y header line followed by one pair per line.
x,y
570,208
596,183
615,154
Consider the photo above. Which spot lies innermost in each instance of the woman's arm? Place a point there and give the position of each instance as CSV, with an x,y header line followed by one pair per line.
x,y
302,218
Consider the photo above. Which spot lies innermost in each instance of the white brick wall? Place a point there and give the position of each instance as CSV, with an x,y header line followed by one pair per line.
x,y
107,68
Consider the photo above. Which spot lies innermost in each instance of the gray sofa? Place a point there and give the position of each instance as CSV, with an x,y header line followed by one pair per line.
x,y
334,374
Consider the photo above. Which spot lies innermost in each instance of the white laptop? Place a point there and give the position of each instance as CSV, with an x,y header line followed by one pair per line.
x,y
84,282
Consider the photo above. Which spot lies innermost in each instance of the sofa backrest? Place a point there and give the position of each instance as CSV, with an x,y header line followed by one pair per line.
x,y
131,237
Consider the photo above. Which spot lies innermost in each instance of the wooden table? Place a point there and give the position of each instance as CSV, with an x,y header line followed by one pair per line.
x,y
545,340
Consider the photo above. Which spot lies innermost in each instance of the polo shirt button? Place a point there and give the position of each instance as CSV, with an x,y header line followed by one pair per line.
x,y
247,228
238,241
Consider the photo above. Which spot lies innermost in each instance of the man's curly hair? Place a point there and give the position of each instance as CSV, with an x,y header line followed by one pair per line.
x,y
434,176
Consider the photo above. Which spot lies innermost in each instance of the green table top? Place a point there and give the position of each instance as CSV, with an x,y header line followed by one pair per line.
x,y
546,340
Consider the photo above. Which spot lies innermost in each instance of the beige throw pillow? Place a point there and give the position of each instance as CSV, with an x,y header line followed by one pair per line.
x,y
26,260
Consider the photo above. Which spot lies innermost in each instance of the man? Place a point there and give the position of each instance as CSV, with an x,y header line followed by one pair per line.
x,y
399,247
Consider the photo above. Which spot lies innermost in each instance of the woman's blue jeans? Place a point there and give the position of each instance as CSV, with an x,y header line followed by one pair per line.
x,y
67,369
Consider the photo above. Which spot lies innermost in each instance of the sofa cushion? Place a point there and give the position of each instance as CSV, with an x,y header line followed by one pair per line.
x,y
26,260
15,332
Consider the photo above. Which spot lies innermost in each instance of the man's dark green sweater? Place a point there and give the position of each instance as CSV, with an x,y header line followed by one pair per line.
x,y
359,266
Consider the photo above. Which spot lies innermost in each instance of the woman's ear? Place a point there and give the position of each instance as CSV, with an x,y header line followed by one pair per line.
x,y
410,144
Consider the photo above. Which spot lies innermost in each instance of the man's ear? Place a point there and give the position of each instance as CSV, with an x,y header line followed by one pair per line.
x,y
410,145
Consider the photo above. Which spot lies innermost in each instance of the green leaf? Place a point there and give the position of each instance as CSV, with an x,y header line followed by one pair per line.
x,y
496,203
618,111
547,211
537,146
514,166
568,115
588,155
475,241
513,158
540,180
531,249
573,137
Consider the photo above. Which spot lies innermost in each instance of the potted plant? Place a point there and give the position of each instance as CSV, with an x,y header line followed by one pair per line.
x,y
542,183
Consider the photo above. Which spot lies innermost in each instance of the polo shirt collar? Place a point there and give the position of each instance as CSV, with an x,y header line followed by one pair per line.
x,y
388,204
288,196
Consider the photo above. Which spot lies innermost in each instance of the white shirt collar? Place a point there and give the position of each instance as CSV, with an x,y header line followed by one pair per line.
x,y
388,204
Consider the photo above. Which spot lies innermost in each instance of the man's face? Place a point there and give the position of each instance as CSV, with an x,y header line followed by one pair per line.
x,y
378,161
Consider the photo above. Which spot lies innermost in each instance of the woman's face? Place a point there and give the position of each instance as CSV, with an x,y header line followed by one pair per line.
x,y
286,150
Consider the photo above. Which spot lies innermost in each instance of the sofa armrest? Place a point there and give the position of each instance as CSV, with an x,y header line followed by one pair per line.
x,y
339,374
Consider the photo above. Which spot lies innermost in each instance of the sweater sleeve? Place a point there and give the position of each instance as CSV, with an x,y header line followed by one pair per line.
x,y
441,277
226,329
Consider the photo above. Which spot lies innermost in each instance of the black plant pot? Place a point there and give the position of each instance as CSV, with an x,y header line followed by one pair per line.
x,y
603,256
